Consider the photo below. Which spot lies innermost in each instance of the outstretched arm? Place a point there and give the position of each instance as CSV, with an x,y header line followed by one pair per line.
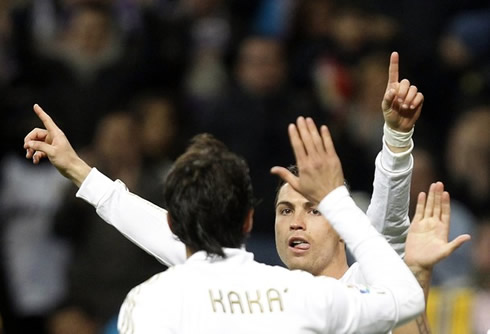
x,y
142,222
320,180
427,244
388,210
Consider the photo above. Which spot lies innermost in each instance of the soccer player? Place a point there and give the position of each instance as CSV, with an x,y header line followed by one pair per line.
x,y
220,288
388,208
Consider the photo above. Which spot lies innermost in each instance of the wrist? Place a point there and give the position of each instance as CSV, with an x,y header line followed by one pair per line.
x,y
395,149
78,172
397,141
422,274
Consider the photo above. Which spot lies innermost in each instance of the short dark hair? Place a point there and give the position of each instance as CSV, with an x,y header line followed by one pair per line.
x,y
208,194
294,170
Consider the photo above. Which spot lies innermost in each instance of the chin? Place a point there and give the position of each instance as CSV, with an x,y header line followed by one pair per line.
x,y
298,265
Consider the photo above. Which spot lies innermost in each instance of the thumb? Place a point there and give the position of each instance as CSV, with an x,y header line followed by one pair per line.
x,y
457,242
286,175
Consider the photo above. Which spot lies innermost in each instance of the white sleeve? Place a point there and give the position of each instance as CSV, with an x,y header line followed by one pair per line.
x,y
380,264
140,221
388,210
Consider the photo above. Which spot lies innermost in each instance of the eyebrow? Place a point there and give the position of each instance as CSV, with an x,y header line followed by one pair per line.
x,y
307,204
286,203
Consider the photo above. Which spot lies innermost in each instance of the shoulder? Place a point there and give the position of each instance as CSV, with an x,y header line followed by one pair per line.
x,y
353,275
157,283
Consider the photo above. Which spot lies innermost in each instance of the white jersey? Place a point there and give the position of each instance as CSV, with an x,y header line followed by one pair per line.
x,y
239,295
145,224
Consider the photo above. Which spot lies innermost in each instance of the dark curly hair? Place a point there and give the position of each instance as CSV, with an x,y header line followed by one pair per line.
x,y
208,194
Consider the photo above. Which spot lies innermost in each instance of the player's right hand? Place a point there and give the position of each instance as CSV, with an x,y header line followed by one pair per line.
x,y
52,143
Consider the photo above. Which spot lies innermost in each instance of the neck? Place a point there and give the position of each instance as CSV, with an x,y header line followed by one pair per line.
x,y
188,251
337,266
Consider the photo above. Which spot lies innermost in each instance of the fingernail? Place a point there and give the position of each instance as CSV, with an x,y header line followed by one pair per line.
x,y
412,107
404,106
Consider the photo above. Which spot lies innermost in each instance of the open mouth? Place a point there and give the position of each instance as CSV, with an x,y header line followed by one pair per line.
x,y
298,244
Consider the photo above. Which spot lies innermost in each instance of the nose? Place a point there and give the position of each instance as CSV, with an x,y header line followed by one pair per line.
x,y
298,223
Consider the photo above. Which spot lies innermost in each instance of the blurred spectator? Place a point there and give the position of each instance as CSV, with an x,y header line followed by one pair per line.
x,y
364,119
32,259
160,136
466,39
210,34
260,94
105,264
464,49
458,267
88,72
190,44
274,18
339,33
468,158
7,59
481,260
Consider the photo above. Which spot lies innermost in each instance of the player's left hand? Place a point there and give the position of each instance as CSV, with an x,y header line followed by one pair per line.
x,y
402,102
319,167
427,240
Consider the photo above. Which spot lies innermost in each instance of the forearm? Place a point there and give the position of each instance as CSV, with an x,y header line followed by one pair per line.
x,y
423,277
142,222
419,325
379,263
388,210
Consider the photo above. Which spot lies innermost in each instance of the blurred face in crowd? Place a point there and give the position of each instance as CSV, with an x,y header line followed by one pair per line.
x,y
159,126
481,253
90,31
371,82
468,152
315,17
199,8
117,138
304,238
261,68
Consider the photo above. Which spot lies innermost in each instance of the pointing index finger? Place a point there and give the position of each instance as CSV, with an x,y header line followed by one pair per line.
x,y
393,69
45,118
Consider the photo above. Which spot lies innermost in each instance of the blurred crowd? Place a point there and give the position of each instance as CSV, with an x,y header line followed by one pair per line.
x,y
130,81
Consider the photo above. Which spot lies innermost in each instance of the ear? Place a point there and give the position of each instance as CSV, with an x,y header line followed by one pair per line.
x,y
249,222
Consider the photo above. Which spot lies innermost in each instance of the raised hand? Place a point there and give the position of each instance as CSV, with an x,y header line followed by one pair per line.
x,y
319,167
427,240
402,103
52,143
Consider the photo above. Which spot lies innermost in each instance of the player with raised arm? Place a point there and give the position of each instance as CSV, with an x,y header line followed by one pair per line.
x,y
119,207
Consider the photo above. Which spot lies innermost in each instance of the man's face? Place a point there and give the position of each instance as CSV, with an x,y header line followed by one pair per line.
x,y
304,238
261,68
